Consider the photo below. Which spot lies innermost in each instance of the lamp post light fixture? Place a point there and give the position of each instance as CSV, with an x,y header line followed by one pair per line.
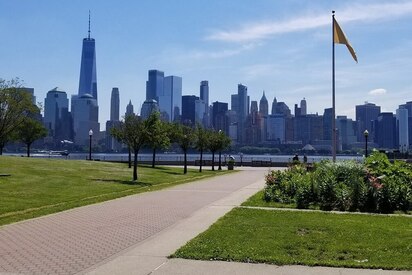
x,y
366,134
90,143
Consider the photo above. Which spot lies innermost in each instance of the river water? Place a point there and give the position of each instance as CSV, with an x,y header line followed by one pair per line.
x,y
190,157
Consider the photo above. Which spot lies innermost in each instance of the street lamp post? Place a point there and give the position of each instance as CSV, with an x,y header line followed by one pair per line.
x,y
241,159
366,134
90,143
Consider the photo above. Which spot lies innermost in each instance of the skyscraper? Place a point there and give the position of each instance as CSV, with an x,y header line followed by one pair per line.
x,y
365,116
111,143
154,84
57,118
204,95
220,120
303,108
243,111
263,105
88,79
129,109
402,129
170,99
114,105
84,106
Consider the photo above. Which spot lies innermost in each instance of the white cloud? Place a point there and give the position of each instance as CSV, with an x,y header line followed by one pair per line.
x,y
263,30
377,92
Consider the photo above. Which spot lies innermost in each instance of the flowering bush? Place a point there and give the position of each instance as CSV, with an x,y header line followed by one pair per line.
x,y
375,186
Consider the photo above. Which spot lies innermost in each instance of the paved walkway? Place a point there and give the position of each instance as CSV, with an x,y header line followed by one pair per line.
x,y
75,240
134,235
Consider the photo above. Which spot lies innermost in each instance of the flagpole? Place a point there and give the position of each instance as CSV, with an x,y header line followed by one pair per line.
x,y
333,90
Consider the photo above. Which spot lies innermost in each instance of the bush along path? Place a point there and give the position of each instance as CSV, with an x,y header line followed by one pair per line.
x,y
377,185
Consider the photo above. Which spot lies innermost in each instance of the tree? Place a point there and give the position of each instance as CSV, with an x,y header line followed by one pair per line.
x,y
202,142
133,132
158,135
218,142
15,106
224,143
185,137
30,131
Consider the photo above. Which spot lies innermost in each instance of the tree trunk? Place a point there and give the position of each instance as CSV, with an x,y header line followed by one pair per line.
x,y
135,165
154,158
1,149
213,161
185,164
28,149
201,161
130,157
220,160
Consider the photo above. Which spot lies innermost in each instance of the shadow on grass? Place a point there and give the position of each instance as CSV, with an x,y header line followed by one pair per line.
x,y
127,182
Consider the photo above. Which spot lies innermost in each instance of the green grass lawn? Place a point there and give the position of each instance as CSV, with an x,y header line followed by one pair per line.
x,y
306,238
38,187
257,200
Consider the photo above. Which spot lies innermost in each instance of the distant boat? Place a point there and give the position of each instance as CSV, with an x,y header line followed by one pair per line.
x,y
62,153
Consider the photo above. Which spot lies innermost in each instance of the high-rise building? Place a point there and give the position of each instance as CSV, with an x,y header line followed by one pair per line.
x,y
88,79
402,129
170,99
327,124
204,95
129,109
276,128
148,107
408,106
154,85
57,118
84,106
113,144
85,114
385,131
303,108
274,103
346,131
115,105
242,112
263,105
220,119
189,109
365,116
204,91
254,107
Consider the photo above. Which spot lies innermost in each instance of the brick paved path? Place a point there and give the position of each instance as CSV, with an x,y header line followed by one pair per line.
x,y
74,240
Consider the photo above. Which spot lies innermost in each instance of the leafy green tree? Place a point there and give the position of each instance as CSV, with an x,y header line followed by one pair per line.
x,y
15,106
29,131
185,137
224,142
158,134
133,132
201,142
218,142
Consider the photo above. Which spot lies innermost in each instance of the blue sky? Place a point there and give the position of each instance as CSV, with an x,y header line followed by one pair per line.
x,y
282,47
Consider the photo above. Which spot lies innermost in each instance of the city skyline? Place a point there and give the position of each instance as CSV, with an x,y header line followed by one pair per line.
x,y
282,48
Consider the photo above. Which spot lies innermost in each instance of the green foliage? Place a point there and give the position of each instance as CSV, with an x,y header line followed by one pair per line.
x,y
15,106
29,131
134,132
376,186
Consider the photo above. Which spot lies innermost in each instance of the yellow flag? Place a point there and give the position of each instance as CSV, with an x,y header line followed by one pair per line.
x,y
340,38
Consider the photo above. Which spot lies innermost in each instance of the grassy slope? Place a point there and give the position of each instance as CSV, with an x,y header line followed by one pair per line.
x,y
286,237
41,186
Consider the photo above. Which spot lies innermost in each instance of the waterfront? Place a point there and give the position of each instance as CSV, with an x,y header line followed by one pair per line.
x,y
177,158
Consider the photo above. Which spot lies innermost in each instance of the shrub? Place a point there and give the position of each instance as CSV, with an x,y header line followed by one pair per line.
x,y
375,186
